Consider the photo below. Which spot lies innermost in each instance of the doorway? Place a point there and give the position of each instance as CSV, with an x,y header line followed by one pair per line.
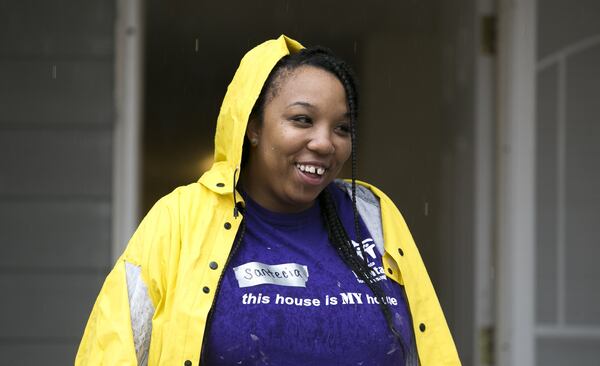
x,y
414,63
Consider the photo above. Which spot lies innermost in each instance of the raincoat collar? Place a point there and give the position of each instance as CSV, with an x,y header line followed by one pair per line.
x,y
239,100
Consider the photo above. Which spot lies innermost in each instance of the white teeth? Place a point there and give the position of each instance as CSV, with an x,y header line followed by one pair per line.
x,y
311,169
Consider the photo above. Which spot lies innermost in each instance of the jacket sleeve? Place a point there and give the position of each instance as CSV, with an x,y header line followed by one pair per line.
x,y
108,336
120,325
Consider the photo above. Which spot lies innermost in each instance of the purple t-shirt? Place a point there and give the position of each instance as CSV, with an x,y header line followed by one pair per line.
x,y
287,298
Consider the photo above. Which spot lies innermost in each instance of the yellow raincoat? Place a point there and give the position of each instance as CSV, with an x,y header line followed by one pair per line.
x,y
153,306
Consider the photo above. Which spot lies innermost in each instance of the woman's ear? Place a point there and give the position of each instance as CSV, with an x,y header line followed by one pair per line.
x,y
253,131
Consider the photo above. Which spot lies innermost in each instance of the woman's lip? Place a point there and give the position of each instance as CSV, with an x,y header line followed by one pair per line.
x,y
309,179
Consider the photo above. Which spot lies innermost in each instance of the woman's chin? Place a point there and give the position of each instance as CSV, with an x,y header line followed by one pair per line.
x,y
304,200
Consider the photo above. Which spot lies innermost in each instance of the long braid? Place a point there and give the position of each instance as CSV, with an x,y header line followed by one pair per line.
x,y
350,89
339,238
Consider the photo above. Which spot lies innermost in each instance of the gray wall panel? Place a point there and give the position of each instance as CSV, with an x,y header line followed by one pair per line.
x,y
64,234
56,129
55,162
28,354
582,188
49,28
56,92
46,305
546,200
566,351
564,22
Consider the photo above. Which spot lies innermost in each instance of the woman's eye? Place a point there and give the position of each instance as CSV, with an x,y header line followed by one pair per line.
x,y
345,128
302,119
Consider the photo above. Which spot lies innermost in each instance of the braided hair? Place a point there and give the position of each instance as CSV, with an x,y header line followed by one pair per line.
x,y
324,59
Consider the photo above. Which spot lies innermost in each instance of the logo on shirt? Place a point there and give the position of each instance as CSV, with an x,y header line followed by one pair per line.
x,y
256,273
368,246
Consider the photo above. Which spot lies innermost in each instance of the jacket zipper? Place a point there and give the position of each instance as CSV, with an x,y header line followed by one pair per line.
x,y
208,325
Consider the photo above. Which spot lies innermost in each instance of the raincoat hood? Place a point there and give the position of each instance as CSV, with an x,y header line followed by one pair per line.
x,y
242,92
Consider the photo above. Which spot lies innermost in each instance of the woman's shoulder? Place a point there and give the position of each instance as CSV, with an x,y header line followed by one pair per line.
x,y
181,202
182,195
163,222
365,193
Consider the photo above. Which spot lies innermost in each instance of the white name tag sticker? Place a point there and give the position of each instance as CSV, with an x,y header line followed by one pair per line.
x,y
286,274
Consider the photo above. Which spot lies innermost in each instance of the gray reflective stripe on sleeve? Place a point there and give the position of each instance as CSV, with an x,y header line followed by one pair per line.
x,y
141,310
369,210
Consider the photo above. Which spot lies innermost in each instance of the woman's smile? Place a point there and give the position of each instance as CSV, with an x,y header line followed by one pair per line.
x,y
311,174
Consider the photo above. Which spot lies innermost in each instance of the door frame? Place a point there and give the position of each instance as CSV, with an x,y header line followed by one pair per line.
x,y
129,62
485,121
515,156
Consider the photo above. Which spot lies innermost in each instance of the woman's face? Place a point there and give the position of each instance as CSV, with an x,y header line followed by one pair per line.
x,y
302,142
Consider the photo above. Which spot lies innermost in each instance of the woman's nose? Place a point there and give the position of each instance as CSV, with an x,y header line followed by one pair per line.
x,y
321,142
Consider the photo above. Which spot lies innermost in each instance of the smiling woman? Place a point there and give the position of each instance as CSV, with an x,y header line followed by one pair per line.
x,y
218,269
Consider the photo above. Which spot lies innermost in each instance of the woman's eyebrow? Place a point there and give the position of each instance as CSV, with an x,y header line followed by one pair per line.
x,y
303,104
311,106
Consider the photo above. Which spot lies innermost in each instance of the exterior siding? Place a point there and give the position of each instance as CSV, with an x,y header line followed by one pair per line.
x,y
56,146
